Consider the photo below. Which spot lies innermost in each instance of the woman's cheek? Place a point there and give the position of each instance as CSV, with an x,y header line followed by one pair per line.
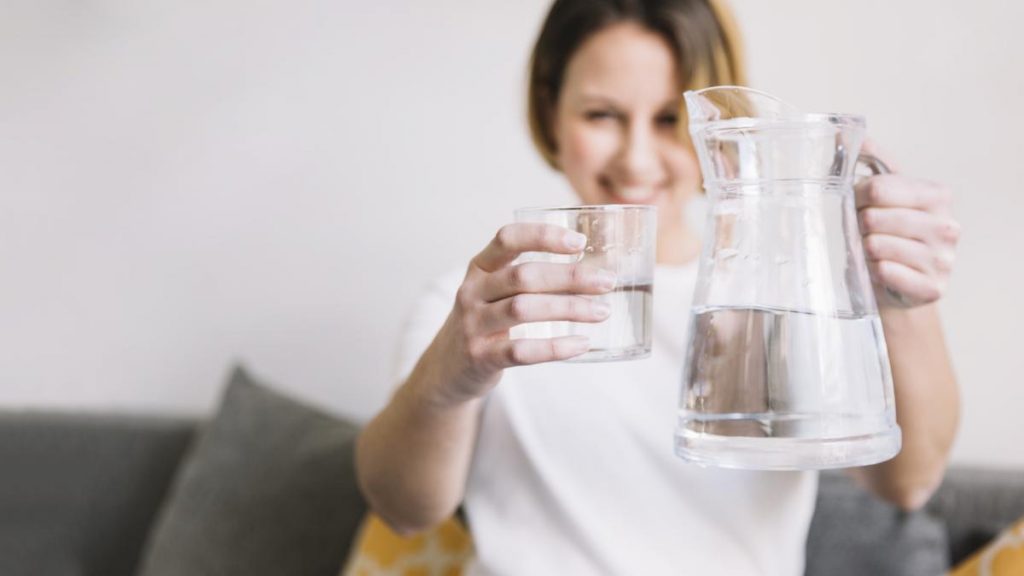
x,y
589,148
685,168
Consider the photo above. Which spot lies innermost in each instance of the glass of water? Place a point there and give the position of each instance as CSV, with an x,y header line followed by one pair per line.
x,y
621,240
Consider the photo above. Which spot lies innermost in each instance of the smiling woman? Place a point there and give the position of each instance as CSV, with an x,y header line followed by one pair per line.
x,y
565,468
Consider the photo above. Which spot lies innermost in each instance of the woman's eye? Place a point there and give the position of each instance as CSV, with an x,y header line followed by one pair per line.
x,y
669,119
599,115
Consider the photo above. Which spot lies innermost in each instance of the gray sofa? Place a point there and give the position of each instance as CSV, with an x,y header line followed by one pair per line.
x,y
80,494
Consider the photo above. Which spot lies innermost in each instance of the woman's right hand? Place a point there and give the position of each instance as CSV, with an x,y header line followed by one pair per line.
x,y
474,345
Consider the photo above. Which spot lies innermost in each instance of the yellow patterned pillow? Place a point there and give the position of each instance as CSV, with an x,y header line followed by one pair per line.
x,y
378,551
1004,556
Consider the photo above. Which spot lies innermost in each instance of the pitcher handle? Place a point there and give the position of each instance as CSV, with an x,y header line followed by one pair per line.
x,y
877,166
874,163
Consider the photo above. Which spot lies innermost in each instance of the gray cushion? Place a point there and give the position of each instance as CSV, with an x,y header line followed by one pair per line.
x,y
853,533
79,492
268,489
978,504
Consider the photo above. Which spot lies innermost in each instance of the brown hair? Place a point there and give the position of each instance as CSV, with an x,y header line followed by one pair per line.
x,y
702,34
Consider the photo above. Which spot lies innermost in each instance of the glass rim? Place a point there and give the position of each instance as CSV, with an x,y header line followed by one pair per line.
x,y
588,208
792,115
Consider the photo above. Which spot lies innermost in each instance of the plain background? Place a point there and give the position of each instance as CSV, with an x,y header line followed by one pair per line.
x,y
187,184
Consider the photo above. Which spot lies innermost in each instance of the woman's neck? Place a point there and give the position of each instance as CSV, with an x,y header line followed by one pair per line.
x,y
679,246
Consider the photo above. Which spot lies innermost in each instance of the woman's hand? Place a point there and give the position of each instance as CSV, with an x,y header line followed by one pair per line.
x,y
909,236
496,295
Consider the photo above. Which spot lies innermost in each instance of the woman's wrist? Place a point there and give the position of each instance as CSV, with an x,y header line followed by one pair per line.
x,y
441,382
897,321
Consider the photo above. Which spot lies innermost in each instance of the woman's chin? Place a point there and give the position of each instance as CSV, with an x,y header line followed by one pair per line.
x,y
648,200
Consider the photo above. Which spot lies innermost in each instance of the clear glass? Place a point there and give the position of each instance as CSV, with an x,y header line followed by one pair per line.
x,y
620,239
786,366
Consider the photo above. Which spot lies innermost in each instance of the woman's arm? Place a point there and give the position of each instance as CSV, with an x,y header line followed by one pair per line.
x,y
413,458
927,408
910,240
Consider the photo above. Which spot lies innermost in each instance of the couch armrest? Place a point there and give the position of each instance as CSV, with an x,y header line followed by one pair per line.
x,y
78,492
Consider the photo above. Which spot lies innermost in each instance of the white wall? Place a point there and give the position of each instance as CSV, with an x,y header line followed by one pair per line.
x,y
186,184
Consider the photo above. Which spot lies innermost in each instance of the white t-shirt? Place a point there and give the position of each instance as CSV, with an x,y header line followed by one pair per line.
x,y
574,470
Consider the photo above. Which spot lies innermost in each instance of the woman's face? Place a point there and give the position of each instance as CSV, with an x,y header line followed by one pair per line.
x,y
616,126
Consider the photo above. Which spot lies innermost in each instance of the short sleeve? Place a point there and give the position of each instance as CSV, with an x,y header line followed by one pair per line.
x,y
428,315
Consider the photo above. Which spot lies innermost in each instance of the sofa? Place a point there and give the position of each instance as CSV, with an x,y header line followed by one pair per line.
x,y
266,486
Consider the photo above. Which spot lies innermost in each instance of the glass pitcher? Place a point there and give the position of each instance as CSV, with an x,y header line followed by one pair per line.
x,y
786,366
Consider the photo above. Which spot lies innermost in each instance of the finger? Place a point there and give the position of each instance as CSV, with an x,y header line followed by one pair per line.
x,y
911,253
514,239
908,223
545,277
524,308
914,287
894,191
526,351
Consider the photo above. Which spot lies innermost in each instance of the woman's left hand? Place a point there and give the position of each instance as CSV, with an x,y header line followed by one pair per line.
x,y
909,236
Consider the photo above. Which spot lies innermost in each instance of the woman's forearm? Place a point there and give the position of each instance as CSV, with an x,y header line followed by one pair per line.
x,y
412,459
927,407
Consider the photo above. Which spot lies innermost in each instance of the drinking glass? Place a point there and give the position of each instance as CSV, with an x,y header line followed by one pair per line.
x,y
621,240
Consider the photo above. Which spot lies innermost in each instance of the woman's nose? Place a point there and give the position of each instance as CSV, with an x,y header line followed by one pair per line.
x,y
638,156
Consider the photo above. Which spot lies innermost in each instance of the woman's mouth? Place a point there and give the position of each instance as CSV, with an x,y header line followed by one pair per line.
x,y
630,194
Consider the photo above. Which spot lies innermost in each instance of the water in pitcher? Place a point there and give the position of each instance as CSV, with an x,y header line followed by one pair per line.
x,y
774,376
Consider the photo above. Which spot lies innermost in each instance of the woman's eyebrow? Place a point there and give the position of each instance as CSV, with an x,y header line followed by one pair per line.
x,y
593,98
596,98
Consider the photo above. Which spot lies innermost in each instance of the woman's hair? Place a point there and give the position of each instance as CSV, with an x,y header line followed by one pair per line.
x,y
701,33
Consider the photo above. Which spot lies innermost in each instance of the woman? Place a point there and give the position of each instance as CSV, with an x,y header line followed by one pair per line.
x,y
568,469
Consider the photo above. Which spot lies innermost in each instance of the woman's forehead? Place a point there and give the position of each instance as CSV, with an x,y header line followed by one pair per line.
x,y
623,62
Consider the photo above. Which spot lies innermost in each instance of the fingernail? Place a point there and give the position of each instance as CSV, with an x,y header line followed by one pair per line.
x,y
605,280
601,309
575,240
